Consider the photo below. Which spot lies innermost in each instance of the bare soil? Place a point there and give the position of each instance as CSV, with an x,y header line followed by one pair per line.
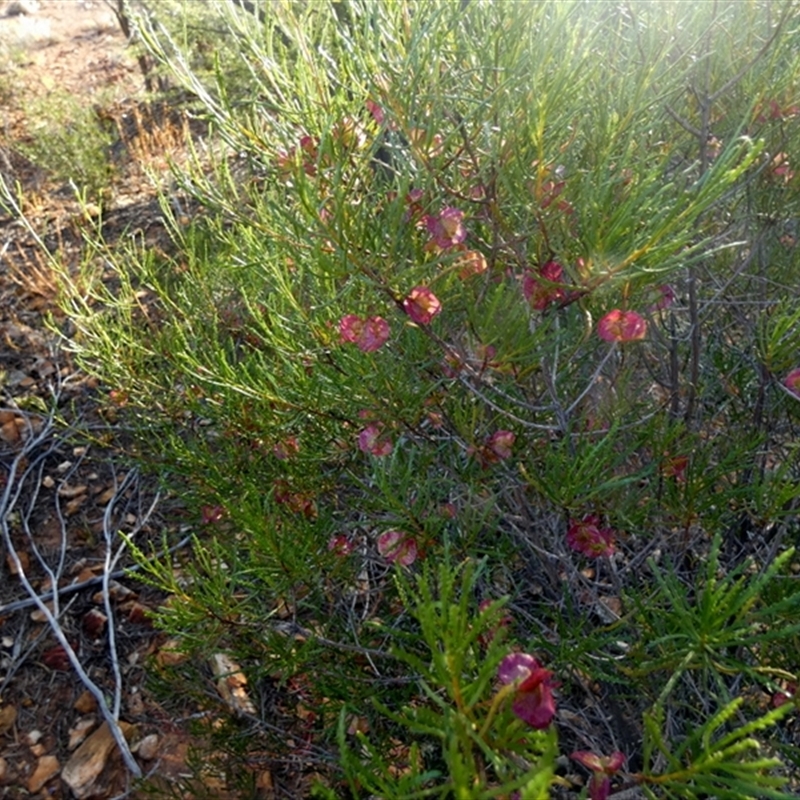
x,y
67,493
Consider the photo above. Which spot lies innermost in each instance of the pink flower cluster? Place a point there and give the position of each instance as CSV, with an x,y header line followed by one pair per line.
x,y
666,297
602,768
308,148
781,168
447,228
792,382
784,695
587,537
286,449
211,514
421,305
372,440
341,545
297,502
471,262
538,288
376,111
777,111
368,334
675,467
622,326
534,702
549,193
397,547
495,449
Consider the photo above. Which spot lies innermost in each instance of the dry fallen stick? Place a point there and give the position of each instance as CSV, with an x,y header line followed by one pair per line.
x,y
231,683
110,534
8,499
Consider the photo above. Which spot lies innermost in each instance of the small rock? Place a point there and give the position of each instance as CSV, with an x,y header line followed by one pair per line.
x,y
8,716
33,737
117,592
137,613
7,775
86,703
80,731
105,497
74,505
39,616
148,747
66,491
170,654
90,758
9,433
24,562
135,703
94,622
47,767
87,573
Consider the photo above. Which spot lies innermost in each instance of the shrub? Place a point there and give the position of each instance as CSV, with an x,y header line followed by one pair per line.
x,y
499,288
70,143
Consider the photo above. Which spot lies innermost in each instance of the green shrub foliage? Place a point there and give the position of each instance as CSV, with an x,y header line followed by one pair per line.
x,y
483,301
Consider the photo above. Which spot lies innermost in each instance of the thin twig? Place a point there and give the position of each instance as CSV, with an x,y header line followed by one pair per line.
x,y
20,605
500,410
712,98
108,535
6,507
593,379
687,126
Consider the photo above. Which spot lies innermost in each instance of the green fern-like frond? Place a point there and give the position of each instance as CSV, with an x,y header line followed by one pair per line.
x,y
715,760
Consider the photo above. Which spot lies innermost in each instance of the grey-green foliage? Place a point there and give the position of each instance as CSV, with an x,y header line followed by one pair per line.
x,y
635,144
69,142
530,105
